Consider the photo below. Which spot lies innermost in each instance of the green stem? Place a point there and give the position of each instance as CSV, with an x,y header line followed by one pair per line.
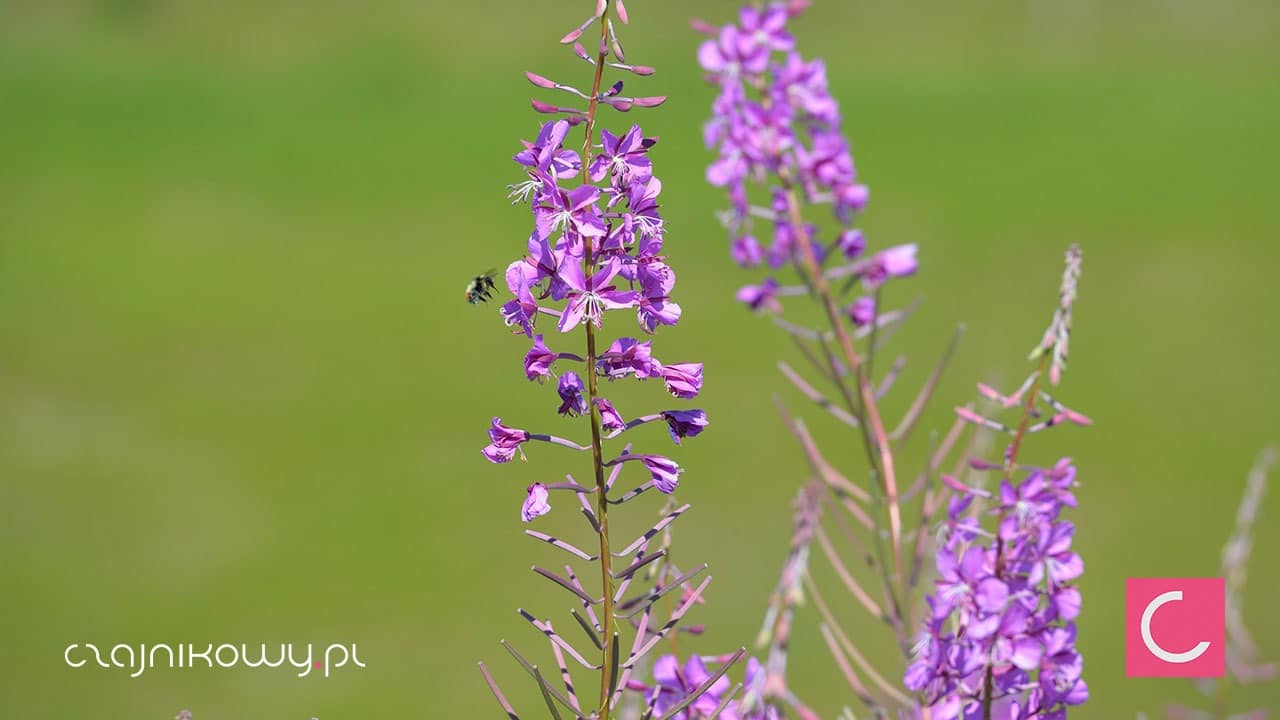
x,y
597,456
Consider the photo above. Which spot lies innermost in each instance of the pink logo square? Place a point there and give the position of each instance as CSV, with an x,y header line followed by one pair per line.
x,y
1175,627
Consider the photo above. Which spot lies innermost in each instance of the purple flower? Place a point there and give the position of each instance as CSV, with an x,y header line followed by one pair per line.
x,y
610,419
803,86
764,295
827,163
625,158
664,472
546,153
862,311
535,502
746,251
723,55
683,380
628,356
655,311
570,388
684,423
852,243
776,124
1004,612
764,29
590,297
656,278
504,442
675,684
897,261
851,198
522,309
538,361
642,199
569,210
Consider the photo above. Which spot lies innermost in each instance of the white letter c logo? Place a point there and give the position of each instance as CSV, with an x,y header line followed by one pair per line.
x,y
1150,642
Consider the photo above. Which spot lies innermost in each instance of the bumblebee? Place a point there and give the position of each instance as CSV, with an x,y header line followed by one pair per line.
x,y
480,288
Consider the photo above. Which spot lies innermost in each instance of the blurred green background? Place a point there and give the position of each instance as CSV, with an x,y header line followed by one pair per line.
x,y
241,399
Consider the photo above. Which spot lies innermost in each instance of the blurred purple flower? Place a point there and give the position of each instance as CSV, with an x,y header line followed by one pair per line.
x,y
764,295
746,251
897,261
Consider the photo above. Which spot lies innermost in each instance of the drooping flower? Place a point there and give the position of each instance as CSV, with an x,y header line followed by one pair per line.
x,y
535,502
504,442
683,380
521,310
684,423
572,400
664,472
538,361
610,419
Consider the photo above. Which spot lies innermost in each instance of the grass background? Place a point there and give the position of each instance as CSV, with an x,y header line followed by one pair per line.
x,y
241,400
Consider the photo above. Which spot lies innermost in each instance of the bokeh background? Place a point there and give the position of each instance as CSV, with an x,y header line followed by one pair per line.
x,y
241,399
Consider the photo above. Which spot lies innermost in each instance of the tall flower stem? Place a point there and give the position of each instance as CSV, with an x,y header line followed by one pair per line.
x,y
593,381
871,428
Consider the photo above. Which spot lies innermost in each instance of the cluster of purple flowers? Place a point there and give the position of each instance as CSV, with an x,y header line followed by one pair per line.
x,y
596,246
674,684
1002,623
775,123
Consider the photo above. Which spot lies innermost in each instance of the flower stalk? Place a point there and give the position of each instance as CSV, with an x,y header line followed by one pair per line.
x,y
597,247
776,126
593,393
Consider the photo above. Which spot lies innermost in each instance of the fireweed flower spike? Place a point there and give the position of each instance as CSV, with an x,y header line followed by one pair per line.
x,y
776,131
1000,638
780,155
597,246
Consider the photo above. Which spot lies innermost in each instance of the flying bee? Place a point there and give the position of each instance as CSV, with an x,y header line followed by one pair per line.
x,y
480,288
